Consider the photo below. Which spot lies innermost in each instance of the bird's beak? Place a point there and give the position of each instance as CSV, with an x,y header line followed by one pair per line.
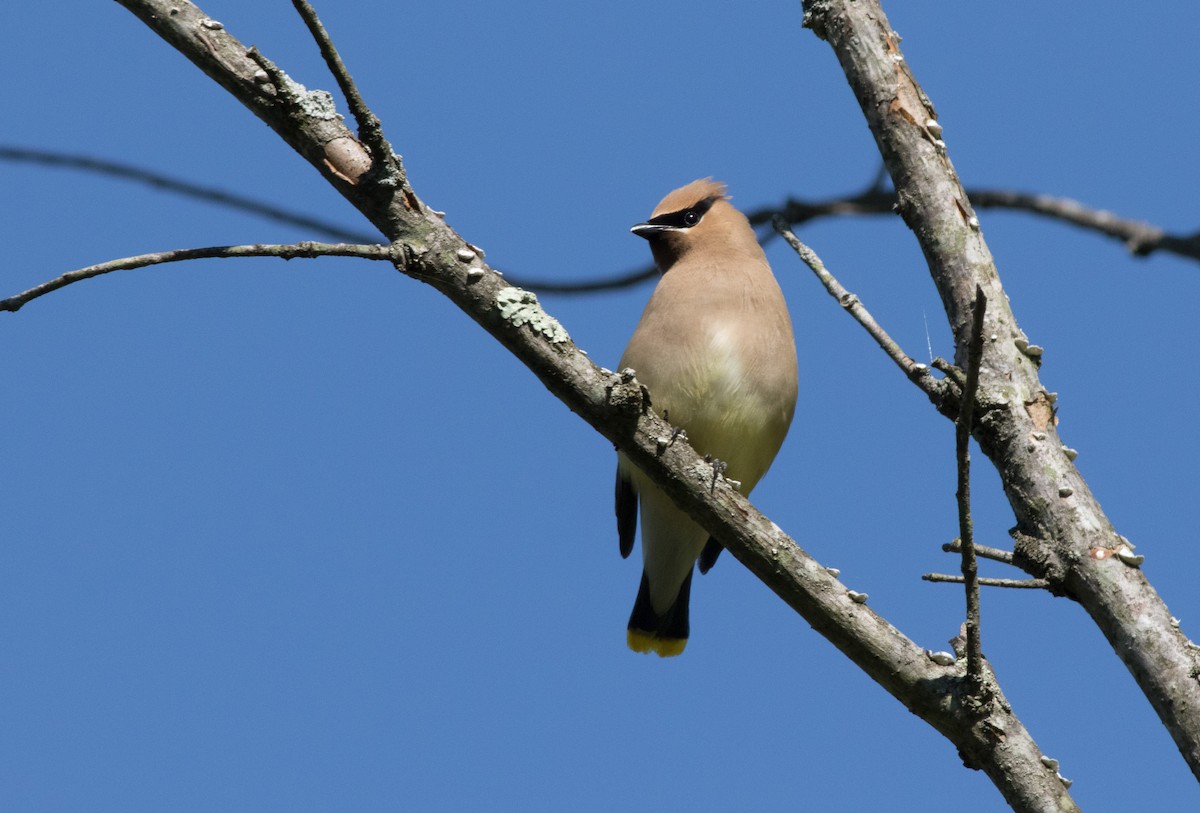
x,y
648,230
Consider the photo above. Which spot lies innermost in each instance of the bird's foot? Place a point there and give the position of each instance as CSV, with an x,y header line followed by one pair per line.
x,y
664,443
718,467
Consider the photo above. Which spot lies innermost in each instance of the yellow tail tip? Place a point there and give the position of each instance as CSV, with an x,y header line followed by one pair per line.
x,y
646,643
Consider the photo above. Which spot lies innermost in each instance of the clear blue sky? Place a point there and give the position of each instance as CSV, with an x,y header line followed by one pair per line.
x,y
302,537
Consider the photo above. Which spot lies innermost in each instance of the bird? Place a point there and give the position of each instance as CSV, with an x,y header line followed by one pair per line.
x,y
715,350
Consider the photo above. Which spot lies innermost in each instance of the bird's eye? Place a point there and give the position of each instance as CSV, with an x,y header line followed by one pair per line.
x,y
691,217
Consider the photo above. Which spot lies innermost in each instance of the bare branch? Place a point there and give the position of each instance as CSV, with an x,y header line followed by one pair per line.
x,y
966,527
984,581
995,554
369,128
1141,238
917,373
284,252
1058,518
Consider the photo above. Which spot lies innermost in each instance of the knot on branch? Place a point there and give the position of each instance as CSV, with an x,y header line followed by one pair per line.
x,y
1037,557
347,159
627,395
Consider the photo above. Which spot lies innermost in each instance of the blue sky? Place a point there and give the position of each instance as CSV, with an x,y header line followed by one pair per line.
x,y
301,536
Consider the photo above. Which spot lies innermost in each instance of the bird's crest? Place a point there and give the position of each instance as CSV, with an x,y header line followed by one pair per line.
x,y
687,196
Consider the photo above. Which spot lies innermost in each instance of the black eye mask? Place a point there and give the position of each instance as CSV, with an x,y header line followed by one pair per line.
x,y
684,218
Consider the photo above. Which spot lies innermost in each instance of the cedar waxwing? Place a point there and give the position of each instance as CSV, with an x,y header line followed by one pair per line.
x,y
715,349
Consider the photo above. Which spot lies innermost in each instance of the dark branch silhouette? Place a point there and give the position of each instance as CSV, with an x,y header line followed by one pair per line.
x,y
1140,238
187,189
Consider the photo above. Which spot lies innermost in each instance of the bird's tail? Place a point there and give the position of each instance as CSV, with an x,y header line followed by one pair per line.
x,y
665,635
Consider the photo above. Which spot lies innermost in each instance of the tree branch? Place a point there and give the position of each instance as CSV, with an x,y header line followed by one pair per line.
x,y
917,373
1141,238
284,252
962,455
983,551
369,128
1059,520
983,581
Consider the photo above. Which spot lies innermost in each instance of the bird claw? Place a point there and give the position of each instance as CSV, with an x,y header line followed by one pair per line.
x,y
718,467
664,443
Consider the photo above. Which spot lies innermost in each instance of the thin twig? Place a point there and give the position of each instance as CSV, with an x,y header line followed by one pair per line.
x,y
186,188
917,373
370,130
966,531
282,251
995,554
984,581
